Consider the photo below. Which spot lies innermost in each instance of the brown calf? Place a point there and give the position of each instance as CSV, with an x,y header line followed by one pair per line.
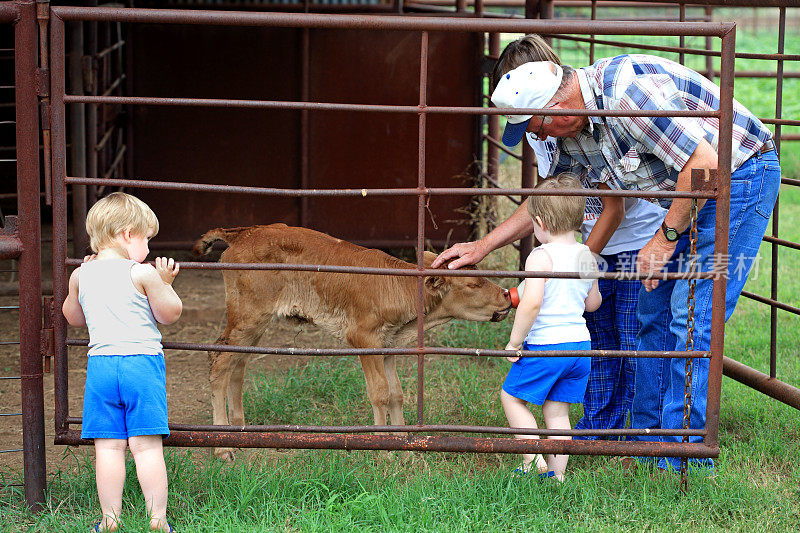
x,y
366,311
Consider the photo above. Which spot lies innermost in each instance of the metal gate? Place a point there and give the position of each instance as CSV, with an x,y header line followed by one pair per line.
x,y
423,437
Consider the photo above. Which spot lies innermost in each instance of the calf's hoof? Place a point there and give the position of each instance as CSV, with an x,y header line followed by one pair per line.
x,y
225,454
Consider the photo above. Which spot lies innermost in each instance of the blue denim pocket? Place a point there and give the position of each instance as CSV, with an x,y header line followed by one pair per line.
x,y
770,176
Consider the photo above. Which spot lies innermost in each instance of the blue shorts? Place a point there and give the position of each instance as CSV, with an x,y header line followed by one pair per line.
x,y
126,396
556,379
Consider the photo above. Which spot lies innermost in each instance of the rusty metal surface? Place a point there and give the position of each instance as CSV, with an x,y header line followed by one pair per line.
x,y
457,24
433,191
427,111
10,243
30,292
432,350
243,148
490,430
772,387
422,443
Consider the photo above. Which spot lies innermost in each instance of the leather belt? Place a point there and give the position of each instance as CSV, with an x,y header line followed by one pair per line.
x,y
766,147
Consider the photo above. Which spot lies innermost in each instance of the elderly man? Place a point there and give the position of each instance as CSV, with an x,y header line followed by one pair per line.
x,y
648,153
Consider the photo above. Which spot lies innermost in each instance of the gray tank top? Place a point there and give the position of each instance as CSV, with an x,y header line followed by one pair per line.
x,y
118,316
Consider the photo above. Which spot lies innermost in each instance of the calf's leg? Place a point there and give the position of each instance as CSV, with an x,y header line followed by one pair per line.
x,y
377,386
395,391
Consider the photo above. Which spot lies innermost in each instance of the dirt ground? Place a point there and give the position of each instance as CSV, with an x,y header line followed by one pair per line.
x,y
188,397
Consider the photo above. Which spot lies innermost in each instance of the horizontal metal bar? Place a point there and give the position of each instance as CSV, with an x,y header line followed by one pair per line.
x,y
413,272
293,428
771,302
373,108
378,22
790,181
677,49
433,191
493,183
775,388
10,377
9,343
8,13
368,243
12,451
9,306
781,121
429,350
10,414
428,443
782,242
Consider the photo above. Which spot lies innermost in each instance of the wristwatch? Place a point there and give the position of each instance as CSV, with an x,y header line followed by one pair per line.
x,y
671,234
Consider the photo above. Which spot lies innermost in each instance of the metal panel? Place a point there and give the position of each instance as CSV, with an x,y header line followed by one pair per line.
x,y
262,147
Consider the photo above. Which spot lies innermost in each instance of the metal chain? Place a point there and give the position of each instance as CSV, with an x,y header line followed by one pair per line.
x,y
687,385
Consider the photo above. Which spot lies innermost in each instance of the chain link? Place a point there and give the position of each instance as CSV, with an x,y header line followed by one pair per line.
x,y
687,385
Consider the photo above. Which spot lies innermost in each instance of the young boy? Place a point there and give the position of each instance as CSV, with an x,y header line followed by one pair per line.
x,y
550,317
120,300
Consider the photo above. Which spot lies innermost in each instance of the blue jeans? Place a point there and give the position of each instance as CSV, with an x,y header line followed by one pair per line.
x,y
663,312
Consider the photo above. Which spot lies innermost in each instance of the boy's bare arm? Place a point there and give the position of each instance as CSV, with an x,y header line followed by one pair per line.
x,y
530,302
72,308
157,284
594,299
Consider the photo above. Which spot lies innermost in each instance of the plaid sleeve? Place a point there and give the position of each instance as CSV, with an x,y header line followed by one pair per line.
x,y
671,139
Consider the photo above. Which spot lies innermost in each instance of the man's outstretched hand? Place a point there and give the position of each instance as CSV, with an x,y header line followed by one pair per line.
x,y
463,254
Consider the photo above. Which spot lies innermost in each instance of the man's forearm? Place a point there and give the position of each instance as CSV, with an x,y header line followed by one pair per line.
x,y
514,228
680,210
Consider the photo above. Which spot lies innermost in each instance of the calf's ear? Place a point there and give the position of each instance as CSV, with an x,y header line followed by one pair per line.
x,y
436,283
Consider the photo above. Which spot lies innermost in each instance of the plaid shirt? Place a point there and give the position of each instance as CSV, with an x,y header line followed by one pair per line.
x,y
646,153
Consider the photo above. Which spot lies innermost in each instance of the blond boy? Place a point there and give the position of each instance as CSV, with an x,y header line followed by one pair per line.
x,y
550,317
120,299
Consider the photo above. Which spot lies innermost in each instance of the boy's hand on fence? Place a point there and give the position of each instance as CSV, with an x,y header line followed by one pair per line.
x,y
167,269
87,258
515,358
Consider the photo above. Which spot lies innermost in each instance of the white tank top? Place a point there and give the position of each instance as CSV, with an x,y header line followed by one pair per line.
x,y
118,316
560,318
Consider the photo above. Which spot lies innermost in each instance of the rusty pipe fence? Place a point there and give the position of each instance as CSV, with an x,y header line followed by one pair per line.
x,y
349,437
20,239
766,383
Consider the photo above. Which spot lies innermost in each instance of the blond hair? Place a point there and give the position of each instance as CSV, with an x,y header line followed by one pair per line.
x,y
559,214
115,213
524,50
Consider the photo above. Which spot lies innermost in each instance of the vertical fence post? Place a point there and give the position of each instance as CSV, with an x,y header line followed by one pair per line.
x,y
59,220
30,279
722,224
773,290
421,200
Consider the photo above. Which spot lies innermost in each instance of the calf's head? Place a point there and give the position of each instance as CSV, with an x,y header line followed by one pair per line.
x,y
467,298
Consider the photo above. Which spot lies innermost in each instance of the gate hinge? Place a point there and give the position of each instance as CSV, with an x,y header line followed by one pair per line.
x,y
42,77
47,342
46,115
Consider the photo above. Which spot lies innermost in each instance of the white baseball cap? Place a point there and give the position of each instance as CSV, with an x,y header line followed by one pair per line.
x,y
529,86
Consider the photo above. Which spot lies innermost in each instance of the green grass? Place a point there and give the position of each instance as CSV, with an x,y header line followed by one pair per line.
x,y
756,487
